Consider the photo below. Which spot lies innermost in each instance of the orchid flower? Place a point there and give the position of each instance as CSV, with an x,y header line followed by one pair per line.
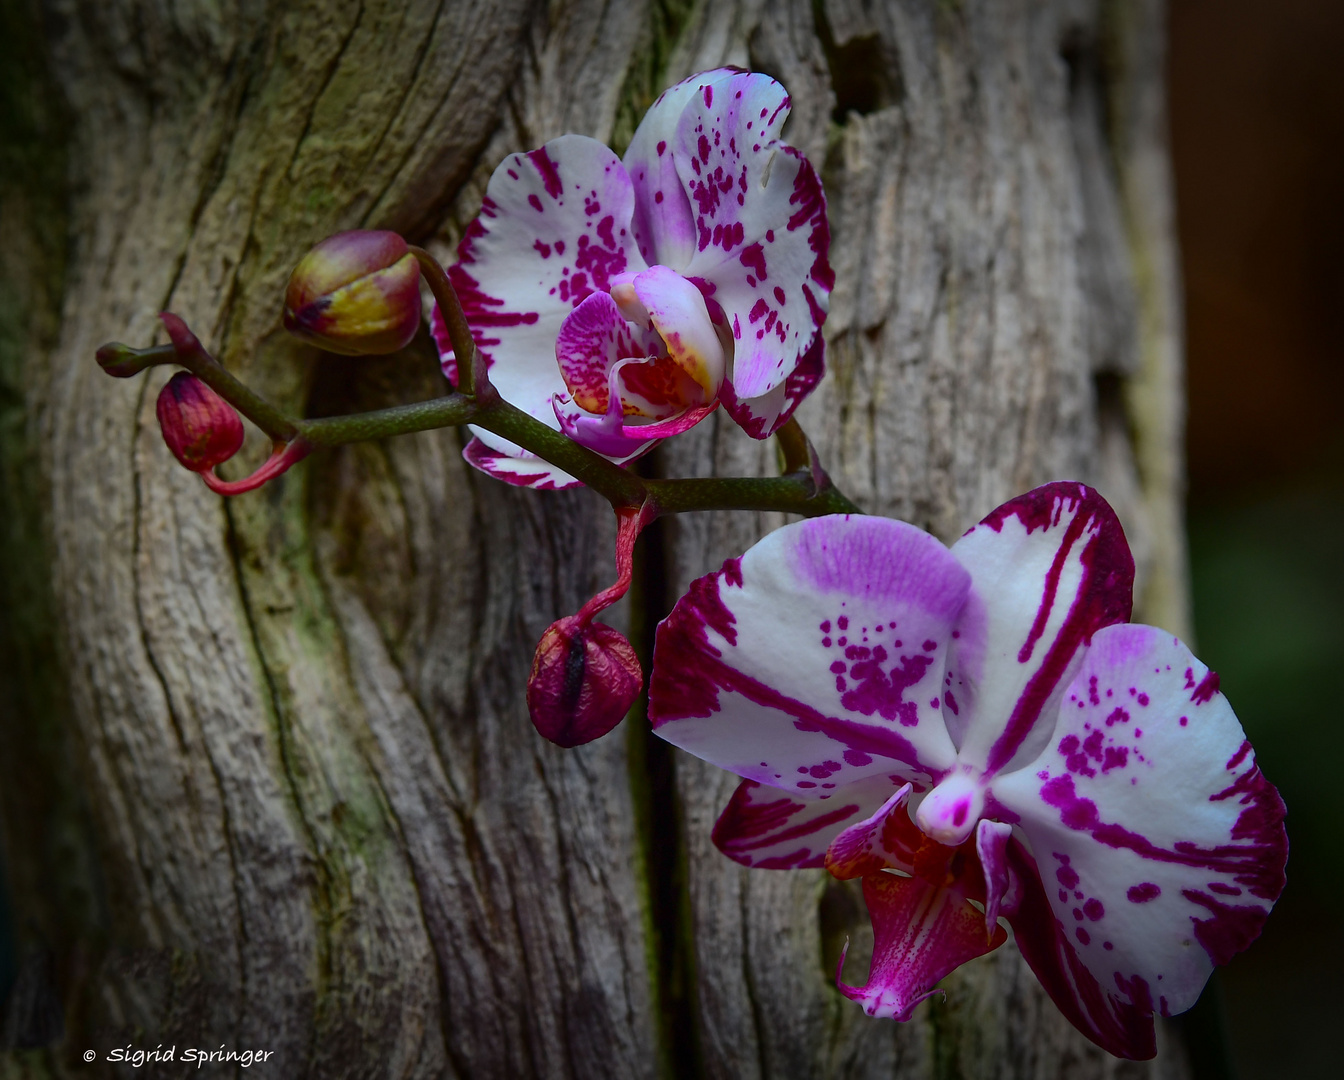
x,y
623,300
979,733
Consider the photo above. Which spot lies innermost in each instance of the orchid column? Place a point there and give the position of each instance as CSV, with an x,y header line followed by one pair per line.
x,y
268,776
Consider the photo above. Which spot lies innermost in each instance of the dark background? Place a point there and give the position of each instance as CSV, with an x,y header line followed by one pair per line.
x,y
1257,112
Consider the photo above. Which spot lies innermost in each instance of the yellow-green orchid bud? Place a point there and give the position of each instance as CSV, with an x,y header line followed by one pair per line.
x,y
356,293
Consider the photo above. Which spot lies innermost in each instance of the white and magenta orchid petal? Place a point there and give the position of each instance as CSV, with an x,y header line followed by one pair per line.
x,y
887,839
663,224
760,417
677,310
1049,569
816,659
770,829
920,933
1108,1019
520,468
554,227
762,238
1161,841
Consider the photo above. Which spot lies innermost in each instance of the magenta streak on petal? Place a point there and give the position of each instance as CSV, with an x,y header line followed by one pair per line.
x,y
1104,597
1071,535
550,178
1208,686
747,825
1231,928
1257,865
1117,1026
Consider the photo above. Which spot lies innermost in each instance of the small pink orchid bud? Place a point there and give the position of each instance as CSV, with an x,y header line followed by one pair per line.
x,y
584,679
200,427
356,293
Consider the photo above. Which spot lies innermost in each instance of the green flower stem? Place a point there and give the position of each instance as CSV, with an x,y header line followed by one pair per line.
x,y
450,411
459,333
793,494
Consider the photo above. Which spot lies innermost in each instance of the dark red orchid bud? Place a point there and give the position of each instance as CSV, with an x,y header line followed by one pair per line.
x,y
200,427
584,679
356,293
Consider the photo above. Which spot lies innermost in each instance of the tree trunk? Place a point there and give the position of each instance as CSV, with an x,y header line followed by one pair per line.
x,y
268,778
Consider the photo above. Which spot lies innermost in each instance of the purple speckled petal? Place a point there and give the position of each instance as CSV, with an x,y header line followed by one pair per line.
x,y
1049,569
816,659
769,829
760,417
663,223
554,227
1109,1020
762,238
1160,842
920,934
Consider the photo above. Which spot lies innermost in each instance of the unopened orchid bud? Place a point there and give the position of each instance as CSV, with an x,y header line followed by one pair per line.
x,y
584,679
356,293
200,427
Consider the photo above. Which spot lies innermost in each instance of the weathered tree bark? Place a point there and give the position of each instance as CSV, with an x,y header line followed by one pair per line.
x,y
268,778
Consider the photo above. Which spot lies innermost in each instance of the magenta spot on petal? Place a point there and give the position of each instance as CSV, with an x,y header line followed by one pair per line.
x,y
662,147
1083,935
1142,893
534,202
1107,946
806,784
857,757
930,645
544,250
657,196
960,811
951,703
838,667
1063,896
825,627
1093,909
1078,914
753,258
1184,720
1067,875
826,642
934,704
